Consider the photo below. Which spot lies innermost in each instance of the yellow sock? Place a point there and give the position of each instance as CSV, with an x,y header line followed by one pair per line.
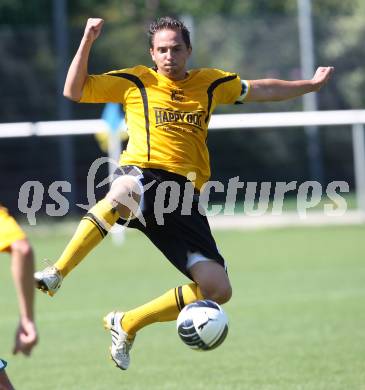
x,y
164,308
93,227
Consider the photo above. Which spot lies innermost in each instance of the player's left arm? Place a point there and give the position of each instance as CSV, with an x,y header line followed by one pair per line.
x,y
22,266
265,90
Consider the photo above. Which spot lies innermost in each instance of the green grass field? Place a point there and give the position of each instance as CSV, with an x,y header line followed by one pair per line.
x,y
297,317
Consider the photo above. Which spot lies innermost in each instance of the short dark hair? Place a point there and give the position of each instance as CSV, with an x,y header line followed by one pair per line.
x,y
169,23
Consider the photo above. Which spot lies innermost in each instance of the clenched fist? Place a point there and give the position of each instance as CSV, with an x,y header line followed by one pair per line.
x,y
25,338
93,28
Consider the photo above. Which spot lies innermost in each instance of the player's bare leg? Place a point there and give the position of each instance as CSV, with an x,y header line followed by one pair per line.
x,y
212,280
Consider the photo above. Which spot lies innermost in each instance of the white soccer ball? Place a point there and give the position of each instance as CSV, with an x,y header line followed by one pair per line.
x,y
202,325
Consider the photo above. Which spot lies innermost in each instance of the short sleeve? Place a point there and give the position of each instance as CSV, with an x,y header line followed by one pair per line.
x,y
105,88
227,87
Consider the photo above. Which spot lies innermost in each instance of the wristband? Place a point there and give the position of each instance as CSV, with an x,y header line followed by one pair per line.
x,y
244,91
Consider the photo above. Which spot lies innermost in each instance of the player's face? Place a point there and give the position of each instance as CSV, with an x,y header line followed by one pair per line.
x,y
170,54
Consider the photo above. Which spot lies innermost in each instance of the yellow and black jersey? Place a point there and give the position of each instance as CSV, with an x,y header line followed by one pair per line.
x,y
10,231
167,120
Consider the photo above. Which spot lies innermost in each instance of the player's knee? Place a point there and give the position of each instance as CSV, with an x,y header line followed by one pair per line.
x,y
125,195
220,294
224,294
212,280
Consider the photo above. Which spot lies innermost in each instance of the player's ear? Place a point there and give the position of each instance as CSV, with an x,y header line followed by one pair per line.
x,y
190,49
152,55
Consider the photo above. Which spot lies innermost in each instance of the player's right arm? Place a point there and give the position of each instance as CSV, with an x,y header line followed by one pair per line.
x,y
78,71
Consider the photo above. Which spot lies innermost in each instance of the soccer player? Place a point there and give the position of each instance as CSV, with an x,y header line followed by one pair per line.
x,y
168,109
5,383
14,241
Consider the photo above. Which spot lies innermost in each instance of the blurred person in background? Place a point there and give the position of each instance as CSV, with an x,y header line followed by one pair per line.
x,y
5,383
14,241
168,108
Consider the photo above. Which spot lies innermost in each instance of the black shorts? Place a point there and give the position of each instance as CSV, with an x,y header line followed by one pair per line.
x,y
182,235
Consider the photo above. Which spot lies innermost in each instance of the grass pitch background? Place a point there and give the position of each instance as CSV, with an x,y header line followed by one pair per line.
x,y
297,318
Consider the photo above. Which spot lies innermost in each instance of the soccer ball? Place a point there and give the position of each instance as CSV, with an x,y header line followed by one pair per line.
x,y
202,325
